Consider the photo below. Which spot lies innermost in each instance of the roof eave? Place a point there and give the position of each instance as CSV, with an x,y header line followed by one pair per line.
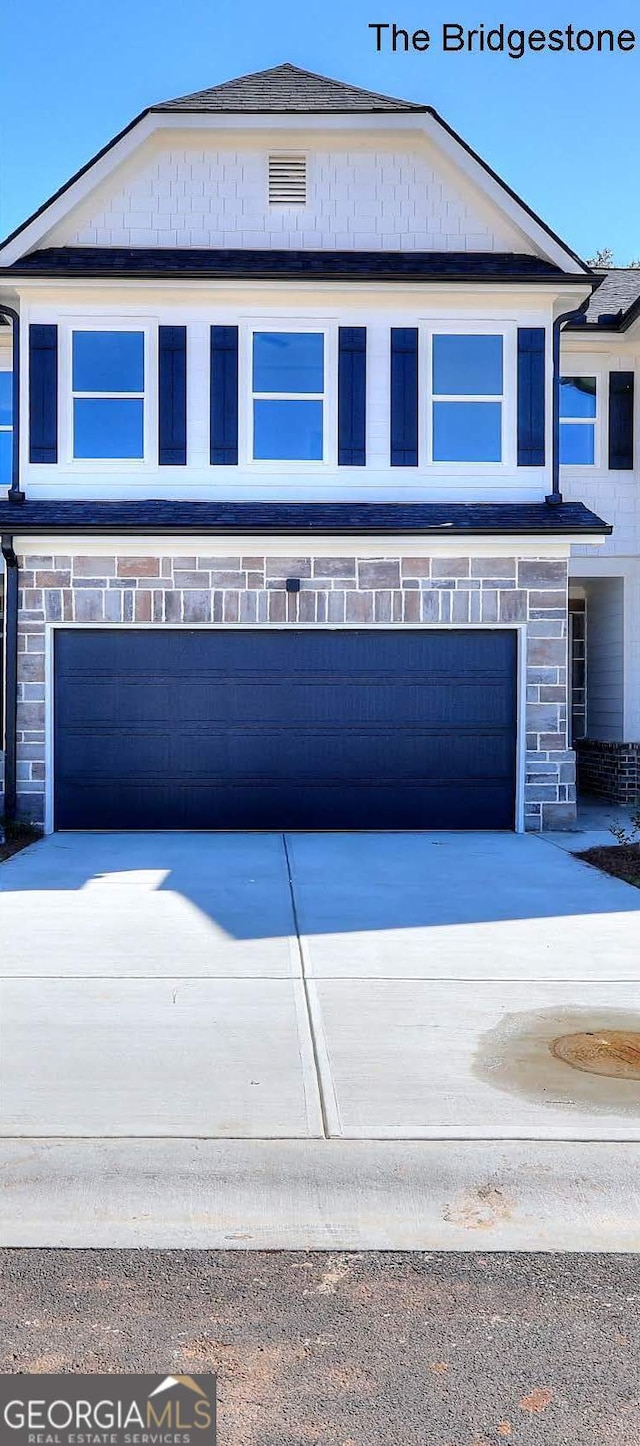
x,y
530,216
515,278
571,534
287,110
585,270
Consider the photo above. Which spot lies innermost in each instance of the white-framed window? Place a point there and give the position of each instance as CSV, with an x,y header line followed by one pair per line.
x,y
467,397
107,387
578,420
287,395
6,426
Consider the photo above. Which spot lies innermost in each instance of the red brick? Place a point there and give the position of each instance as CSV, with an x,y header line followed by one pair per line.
x,y
143,607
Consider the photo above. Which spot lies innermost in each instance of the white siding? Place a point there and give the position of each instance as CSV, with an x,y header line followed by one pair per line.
x,y
611,575
360,197
378,311
615,496
605,658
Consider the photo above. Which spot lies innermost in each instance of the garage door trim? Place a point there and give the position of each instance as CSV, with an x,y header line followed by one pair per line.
x,y
518,628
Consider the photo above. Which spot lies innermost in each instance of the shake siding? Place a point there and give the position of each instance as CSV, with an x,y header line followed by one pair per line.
x,y
372,197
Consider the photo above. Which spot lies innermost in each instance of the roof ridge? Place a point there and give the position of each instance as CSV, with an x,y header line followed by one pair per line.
x,y
252,92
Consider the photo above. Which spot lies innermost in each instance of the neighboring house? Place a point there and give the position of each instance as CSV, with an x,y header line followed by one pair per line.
x,y
287,541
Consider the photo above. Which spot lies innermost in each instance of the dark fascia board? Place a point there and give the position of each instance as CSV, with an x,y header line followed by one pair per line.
x,y
284,110
427,110
603,529
630,316
509,190
77,176
594,328
288,276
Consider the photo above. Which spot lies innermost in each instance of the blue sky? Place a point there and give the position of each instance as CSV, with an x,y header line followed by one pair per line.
x,y
561,129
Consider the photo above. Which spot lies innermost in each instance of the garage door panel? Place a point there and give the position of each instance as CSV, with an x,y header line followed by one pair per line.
x,y
299,806
250,729
154,702
318,756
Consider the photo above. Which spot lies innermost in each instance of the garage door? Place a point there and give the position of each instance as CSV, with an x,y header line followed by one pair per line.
x,y
286,729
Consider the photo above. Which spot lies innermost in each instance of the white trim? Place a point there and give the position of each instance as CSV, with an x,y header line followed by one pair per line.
x,y
328,329
299,545
490,187
507,330
599,422
496,191
136,466
519,628
564,293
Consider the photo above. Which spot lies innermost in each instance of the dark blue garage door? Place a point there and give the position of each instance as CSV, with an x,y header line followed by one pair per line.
x,y
273,730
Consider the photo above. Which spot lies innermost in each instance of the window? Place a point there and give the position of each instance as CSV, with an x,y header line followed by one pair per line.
x,y
108,394
288,396
578,414
467,394
287,180
6,427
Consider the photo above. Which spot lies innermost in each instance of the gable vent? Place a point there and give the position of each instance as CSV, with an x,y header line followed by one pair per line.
x,y
287,180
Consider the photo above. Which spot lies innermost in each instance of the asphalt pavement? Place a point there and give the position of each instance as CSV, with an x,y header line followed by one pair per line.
x,y
366,1349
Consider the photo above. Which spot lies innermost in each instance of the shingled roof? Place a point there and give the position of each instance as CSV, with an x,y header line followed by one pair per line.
x,y
612,302
287,265
156,517
286,88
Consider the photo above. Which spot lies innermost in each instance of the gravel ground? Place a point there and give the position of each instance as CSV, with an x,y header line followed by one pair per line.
x,y
371,1349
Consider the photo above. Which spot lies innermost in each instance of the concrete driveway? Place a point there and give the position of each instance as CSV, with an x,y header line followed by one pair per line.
x,y
261,986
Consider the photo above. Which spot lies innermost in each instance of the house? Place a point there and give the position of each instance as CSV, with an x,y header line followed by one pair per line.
x,y
315,426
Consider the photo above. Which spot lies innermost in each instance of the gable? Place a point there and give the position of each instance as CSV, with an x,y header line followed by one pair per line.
x,y
385,174
363,193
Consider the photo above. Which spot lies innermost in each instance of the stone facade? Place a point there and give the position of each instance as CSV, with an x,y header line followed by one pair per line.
x,y
191,589
609,770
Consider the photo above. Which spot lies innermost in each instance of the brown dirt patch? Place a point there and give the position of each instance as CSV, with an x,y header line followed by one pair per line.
x,y
621,860
17,836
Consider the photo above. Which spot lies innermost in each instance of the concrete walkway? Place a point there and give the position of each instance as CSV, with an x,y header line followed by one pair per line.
x,y
355,985
320,1195
593,826
282,1034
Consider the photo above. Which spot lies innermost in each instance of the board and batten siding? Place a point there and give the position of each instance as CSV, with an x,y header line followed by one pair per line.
x,y
332,310
605,653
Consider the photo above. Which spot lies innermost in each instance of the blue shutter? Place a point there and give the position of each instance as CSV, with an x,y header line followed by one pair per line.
x,y
352,396
172,396
43,393
404,396
531,396
224,395
621,397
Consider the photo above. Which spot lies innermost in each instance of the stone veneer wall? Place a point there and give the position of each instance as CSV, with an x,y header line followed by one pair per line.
x,y
189,589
